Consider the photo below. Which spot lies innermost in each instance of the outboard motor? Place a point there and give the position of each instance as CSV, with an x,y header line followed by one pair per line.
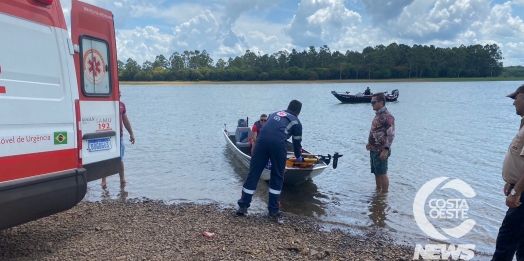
x,y
242,123
327,159
335,159
395,93
323,158
242,135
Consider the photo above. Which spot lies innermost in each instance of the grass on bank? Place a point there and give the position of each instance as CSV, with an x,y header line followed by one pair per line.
x,y
480,79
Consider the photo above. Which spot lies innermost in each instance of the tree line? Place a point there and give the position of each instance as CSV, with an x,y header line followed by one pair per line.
x,y
513,71
379,62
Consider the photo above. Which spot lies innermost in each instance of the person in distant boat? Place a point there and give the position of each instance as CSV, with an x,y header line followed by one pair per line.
x,y
256,128
380,139
124,121
510,239
271,144
367,91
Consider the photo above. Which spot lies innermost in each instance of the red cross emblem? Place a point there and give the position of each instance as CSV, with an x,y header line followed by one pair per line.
x,y
94,66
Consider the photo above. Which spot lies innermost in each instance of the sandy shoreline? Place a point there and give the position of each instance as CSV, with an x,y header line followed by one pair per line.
x,y
151,230
321,82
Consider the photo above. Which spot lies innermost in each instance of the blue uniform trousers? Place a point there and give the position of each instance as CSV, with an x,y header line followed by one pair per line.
x,y
511,235
265,150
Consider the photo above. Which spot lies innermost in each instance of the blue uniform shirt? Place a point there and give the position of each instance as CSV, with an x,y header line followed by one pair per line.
x,y
280,126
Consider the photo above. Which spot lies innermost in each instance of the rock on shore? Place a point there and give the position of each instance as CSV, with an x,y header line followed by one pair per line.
x,y
152,230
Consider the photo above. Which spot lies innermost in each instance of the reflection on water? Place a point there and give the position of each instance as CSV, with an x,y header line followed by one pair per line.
x,y
378,208
121,195
301,200
304,199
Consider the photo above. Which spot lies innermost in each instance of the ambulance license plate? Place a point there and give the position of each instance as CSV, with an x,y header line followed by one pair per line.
x,y
99,144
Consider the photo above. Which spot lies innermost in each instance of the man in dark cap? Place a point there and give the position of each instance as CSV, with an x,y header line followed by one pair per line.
x,y
271,145
510,239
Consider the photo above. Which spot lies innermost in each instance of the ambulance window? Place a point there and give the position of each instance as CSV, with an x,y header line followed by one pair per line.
x,y
95,67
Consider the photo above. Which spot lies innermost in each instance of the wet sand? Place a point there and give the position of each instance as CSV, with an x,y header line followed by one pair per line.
x,y
152,230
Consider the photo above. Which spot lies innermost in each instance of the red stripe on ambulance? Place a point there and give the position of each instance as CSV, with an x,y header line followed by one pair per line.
x,y
34,164
2,89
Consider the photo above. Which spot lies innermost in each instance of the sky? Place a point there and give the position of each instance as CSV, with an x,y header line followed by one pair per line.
x,y
227,28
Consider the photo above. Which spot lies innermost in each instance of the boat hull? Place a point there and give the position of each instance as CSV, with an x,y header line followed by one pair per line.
x,y
292,175
349,98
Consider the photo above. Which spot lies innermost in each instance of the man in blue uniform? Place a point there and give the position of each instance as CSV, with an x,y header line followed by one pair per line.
x,y
271,144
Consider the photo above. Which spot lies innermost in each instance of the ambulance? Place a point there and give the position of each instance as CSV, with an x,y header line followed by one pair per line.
x,y
59,106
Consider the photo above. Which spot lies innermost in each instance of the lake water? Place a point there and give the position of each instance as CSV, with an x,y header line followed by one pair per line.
x,y
457,130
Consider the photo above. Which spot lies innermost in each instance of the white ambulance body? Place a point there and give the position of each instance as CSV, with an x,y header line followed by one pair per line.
x,y
59,106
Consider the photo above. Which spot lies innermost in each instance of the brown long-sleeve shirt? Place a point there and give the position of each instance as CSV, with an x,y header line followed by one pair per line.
x,y
382,130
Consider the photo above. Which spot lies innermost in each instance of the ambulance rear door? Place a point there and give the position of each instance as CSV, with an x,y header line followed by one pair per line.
x,y
40,174
93,36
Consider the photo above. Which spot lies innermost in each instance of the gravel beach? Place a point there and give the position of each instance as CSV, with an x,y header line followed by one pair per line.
x,y
152,230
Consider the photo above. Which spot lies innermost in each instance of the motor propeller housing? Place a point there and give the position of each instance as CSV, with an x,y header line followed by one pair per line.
x,y
323,158
335,159
327,159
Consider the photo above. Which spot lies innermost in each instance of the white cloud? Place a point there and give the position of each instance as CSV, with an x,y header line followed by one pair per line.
x,y
501,23
226,51
200,31
383,11
235,8
261,35
469,34
423,21
356,38
229,28
173,14
141,44
514,50
319,22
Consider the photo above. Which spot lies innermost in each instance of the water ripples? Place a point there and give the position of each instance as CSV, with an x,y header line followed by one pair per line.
x,y
457,130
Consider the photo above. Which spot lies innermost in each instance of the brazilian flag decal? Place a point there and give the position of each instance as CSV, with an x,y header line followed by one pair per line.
x,y
60,138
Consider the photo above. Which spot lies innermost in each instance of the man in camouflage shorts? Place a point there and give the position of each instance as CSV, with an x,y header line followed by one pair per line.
x,y
380,139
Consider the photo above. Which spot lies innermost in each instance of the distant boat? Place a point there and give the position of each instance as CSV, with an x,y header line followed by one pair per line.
x,y
295,173
361,98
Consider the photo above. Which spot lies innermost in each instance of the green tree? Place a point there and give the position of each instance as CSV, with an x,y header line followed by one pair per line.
x,y
161,61
249,75
196,75
250,60
339,62
147,66
282,59
221,64
176,61
312,57
131,68
264,76
238,62
324,56
183,74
